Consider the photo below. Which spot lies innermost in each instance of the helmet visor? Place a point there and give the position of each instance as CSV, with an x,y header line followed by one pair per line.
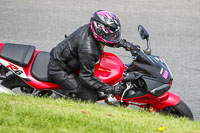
x,y
113,37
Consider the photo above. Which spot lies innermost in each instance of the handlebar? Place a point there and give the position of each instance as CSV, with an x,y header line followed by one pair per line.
x,y
134,50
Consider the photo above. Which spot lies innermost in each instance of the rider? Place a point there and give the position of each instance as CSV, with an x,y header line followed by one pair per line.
x,y
80,51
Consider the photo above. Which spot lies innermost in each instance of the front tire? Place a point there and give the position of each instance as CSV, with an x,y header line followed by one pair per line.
x,y
180,110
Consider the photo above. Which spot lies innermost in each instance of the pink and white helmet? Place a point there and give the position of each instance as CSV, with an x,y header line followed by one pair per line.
x,y
106,27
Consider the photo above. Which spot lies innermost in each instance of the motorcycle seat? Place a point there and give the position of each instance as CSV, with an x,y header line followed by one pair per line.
x,y
39,68
17,53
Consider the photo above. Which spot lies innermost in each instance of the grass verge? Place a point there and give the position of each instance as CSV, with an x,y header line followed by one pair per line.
x,y
25,114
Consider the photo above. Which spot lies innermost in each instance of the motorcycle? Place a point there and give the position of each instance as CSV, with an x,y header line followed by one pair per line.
x,y
147,79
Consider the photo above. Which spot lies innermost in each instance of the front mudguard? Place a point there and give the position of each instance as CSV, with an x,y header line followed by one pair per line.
x,y
171,100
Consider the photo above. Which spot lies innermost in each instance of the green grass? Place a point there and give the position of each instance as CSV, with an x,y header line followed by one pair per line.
x,y
25,114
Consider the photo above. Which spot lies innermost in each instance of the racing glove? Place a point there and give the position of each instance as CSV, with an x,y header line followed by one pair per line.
x,y
118,89
113,90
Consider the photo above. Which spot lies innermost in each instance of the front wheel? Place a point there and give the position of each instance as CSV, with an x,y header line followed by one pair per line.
x,y
180,110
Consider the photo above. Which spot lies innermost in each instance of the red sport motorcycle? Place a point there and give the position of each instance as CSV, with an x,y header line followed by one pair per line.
x,y
147,79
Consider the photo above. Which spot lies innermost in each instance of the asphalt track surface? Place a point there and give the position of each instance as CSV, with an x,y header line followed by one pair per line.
x,y
173,25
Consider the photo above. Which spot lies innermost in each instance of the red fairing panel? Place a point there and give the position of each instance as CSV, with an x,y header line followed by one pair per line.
x,y
159,103
171,100
110,69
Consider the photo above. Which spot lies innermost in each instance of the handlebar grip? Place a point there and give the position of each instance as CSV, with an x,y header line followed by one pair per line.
x,y
133,52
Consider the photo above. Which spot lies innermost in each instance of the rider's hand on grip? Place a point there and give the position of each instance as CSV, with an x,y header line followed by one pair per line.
x,y
135,47
107,90
127,45
118,89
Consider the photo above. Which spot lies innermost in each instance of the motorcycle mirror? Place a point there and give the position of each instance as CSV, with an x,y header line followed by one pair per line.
x,y
143,33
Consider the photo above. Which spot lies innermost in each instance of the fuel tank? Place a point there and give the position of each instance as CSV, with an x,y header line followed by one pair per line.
x,y
109,69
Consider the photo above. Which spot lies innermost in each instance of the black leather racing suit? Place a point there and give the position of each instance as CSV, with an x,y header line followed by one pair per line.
x,y
79,51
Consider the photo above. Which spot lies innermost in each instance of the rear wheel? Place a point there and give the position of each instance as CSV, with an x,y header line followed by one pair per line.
x,y
180,110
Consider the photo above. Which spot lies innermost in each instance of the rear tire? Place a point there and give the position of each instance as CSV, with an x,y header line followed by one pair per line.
x,y
180,110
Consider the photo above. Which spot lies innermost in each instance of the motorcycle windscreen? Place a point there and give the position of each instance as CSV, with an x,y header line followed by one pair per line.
x,y
110,69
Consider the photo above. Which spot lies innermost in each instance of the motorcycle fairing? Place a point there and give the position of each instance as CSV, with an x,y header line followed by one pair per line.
x,y
155,87
159,103
171,100
152,66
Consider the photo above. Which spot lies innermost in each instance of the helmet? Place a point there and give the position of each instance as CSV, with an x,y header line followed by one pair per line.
x,y
106,27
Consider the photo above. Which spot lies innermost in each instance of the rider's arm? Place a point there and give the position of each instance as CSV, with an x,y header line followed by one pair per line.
x,y
87,77
127,45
